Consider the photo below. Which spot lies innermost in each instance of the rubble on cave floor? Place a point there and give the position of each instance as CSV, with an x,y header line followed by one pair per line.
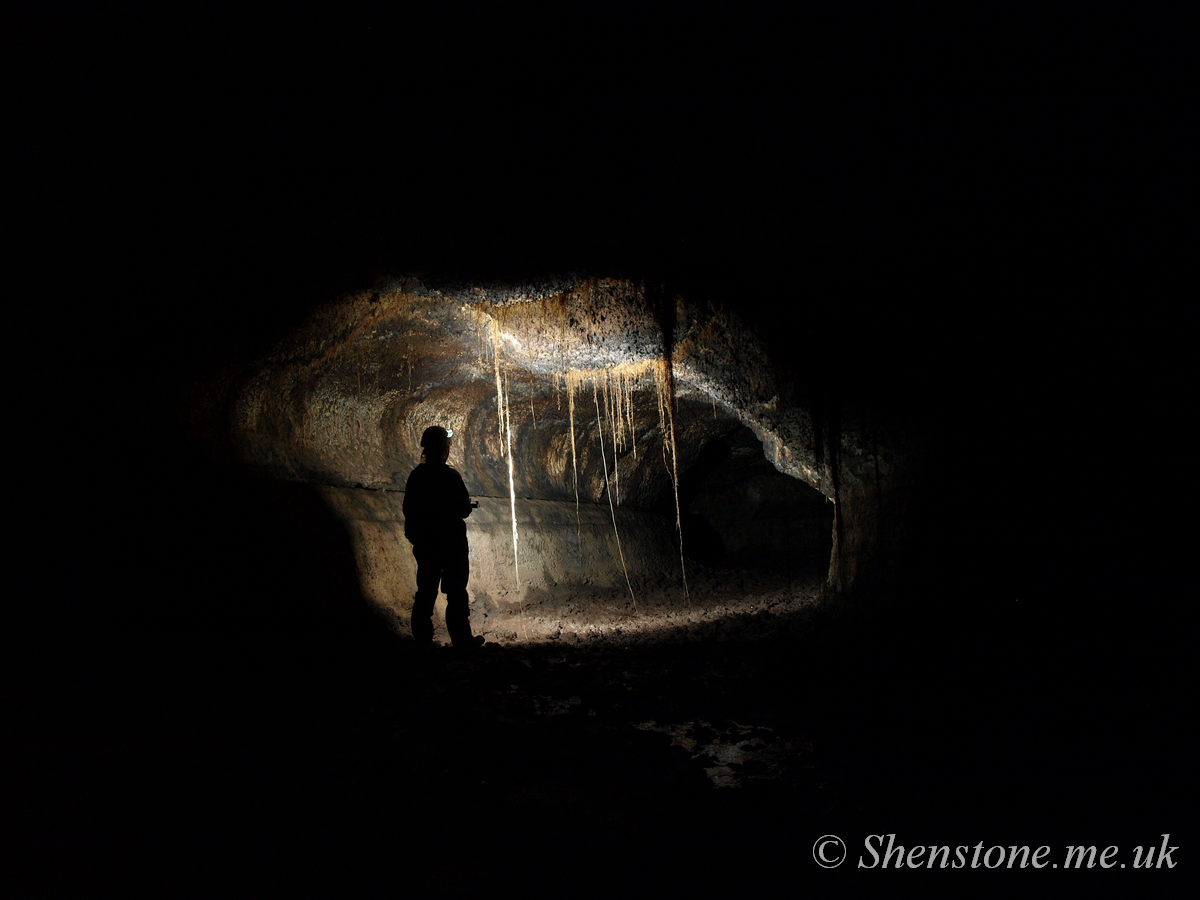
x,y
696,686
721,605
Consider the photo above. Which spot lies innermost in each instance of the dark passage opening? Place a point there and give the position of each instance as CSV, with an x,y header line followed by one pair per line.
x,y
740,512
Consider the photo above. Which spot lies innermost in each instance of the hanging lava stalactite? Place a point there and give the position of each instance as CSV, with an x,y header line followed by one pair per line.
x,y
612,508
616,385
663,381
570,385
505,426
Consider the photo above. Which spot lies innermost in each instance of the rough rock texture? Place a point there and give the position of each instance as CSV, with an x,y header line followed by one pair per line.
x,y
556,549
593,389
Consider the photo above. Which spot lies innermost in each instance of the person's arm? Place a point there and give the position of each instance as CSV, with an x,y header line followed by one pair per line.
x,y
465,499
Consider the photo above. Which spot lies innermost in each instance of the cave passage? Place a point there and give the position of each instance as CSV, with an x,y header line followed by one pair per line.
x,y
613,455
754,538
740,512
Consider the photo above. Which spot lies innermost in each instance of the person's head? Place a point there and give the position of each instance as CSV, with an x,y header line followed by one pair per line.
x,y
435,444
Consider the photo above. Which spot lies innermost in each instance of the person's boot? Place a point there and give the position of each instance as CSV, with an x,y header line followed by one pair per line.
x,y
469,645
458,623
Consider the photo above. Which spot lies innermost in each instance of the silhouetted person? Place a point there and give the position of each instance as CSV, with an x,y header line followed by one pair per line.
x,y
435,504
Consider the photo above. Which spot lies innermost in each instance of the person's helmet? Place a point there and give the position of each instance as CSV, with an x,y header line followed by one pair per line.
x,y
435,436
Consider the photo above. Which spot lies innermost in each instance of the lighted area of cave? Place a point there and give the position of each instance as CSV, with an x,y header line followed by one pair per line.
x,y
620,472
756,544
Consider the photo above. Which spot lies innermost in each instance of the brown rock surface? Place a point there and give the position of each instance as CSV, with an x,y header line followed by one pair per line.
x,y
594,389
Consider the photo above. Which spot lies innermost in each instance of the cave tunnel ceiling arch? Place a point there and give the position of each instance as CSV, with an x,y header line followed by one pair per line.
x,y
342,401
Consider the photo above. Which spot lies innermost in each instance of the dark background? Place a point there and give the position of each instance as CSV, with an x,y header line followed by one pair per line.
x,y
945,220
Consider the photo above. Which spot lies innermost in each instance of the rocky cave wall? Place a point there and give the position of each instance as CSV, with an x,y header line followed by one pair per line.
x,y
593,389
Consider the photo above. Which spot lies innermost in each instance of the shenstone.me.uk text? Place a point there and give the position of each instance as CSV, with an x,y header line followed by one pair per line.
x,y
897,856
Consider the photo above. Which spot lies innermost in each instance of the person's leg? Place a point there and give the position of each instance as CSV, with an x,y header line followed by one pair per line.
x,y
429,573
455,573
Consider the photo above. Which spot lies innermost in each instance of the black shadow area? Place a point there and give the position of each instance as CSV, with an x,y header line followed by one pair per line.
x,y
190,703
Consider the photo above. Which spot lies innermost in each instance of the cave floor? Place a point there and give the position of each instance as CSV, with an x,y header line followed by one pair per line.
x,y
683,759
716,604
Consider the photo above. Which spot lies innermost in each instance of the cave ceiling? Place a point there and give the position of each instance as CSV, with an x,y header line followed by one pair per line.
x,y
573,379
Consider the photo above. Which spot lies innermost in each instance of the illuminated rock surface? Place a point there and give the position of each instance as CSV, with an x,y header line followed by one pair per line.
x,y
595,390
